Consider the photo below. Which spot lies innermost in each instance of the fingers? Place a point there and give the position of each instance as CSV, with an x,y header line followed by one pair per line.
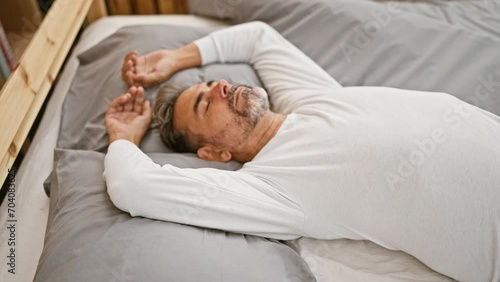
x,y
128,67
146,111
129,105
134,100
117,104
128,73
141,71
139,100
129,77
139,63
129,55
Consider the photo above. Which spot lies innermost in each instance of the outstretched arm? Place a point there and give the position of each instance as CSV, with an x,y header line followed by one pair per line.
x,y
292,79
158,66
226,200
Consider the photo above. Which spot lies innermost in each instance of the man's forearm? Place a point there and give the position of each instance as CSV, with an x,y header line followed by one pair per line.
x,y
186,57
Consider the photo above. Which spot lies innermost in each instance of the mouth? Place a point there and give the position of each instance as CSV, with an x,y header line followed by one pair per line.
x,y
237,91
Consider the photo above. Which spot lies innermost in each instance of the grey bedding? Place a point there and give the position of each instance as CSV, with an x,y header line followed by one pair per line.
x,y
88,239
440,46
448,47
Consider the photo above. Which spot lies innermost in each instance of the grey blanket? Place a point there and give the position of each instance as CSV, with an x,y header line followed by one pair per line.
x,y
439,46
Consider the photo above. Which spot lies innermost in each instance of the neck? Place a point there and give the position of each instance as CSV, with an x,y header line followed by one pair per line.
x,y
263,132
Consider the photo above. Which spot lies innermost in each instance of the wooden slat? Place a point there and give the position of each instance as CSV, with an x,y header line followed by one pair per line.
x,y
166,6
144,7
120,7
27,87
97,11
181,7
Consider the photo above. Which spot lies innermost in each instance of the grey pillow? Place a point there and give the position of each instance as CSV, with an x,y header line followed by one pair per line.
x,y
98,81
88,239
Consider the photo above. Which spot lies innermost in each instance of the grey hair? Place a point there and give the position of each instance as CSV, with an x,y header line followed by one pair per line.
x,y
164,113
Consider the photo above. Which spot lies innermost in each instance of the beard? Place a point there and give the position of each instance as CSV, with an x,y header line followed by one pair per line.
x,y
256,106
245,120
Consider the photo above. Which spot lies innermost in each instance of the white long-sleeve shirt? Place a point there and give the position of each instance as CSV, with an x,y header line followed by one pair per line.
x,y
409,170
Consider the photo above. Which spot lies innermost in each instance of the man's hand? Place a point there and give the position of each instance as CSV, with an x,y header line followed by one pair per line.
x,y
158,66
148,70
128,116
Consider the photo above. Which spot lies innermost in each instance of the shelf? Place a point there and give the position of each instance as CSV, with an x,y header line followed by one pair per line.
x,y
20,20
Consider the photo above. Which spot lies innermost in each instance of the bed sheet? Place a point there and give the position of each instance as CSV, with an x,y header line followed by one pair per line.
x,y
349,260
31,202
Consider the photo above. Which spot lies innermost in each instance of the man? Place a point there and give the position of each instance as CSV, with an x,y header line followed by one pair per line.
x,y
411,171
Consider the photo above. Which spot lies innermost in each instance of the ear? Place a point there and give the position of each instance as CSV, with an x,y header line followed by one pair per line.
x,y
213,153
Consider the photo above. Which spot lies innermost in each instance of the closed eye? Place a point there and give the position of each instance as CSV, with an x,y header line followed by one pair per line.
x,y
208,106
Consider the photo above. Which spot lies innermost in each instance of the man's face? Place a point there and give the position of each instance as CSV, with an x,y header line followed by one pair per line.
x,y
219,113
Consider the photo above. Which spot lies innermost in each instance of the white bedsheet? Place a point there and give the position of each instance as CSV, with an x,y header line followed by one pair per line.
x,y
348,260
338,260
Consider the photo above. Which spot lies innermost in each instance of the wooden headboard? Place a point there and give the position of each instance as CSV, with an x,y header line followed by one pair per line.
x,y
27,87
141,7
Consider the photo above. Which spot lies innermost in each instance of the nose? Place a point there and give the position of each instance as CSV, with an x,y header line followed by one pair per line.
x,y
221,89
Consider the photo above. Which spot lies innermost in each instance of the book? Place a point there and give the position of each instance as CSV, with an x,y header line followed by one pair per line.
x,y
6,49
4,67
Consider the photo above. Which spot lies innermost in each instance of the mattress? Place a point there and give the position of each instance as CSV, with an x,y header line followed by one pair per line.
x,y
32,204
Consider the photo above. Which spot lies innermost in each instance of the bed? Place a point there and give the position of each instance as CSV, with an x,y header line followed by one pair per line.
x,y
432,67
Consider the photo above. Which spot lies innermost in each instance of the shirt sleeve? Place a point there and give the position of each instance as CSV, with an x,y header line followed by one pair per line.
x,y
292,79
228,200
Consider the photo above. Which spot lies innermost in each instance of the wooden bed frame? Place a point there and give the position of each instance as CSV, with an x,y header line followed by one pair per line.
x,y
27,87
